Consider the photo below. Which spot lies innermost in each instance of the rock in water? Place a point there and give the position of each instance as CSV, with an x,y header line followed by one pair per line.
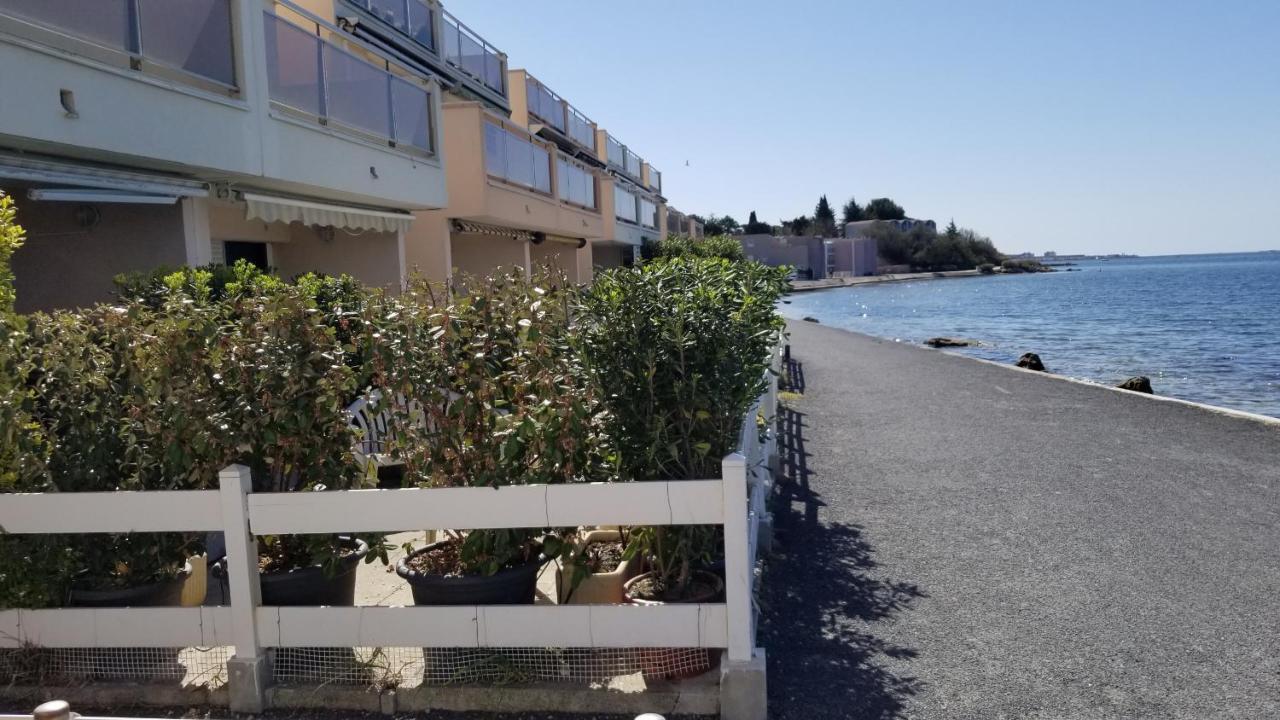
x,y
810,319
1031,361
1139,383
941,342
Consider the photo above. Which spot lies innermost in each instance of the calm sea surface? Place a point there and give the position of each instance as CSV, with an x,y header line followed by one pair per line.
x,y
1202,327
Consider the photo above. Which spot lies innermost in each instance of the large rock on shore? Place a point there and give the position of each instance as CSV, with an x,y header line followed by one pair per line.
x,y
941,342
1138,383
810,319
1031,361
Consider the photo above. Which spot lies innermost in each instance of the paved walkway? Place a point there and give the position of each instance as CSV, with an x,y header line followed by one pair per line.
x,y
961,540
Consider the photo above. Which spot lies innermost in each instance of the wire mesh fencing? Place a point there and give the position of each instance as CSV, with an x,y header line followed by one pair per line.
x,y
412,667
190,666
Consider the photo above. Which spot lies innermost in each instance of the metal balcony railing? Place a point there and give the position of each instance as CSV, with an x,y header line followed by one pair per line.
x,y
193,38
320,78
470,53
411,17
655,179
512,156
582,130
545,105
577,185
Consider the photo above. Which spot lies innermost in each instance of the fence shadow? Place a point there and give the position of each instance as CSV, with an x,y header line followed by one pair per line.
x,y
821,592
792,379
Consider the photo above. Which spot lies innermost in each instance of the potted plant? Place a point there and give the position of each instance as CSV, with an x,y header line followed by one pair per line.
x,y
482,567
503,400
678,558
598,568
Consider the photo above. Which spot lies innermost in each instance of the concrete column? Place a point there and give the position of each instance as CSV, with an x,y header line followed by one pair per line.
x,y
195,231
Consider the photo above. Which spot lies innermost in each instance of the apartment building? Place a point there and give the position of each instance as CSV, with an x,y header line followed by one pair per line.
x,y
371,137
680,224
145,133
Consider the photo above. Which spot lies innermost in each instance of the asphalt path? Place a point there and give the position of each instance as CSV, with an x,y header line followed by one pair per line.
x,y
962,540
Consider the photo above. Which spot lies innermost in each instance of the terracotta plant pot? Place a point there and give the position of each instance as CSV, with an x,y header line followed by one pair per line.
x,y
598,588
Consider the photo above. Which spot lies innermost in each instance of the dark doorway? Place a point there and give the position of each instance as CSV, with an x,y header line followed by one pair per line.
x,y
254,253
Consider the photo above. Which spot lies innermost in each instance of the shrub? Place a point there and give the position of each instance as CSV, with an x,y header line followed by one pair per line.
x,y
716,246
680,348
504,396
163,393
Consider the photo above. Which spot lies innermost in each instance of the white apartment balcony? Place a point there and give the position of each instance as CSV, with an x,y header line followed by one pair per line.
x,y
619,157
259,93
425,33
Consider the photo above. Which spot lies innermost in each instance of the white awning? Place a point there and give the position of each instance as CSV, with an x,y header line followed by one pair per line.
x,y
289,210
68,175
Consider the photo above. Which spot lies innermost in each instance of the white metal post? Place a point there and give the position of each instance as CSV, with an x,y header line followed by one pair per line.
x,y
737,563
249,670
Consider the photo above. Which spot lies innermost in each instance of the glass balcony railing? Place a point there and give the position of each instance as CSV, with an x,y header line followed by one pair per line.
x,y
631,163
655,179
319,78
648,214
513,157
581,130
544,104
616,153
411,17
469,52
576,184
625,206
192,37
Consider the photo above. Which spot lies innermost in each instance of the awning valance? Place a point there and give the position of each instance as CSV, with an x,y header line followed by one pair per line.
x,y
48,173
288,210
466,226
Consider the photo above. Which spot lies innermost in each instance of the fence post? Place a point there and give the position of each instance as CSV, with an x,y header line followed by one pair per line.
x,y
738,567
742,674
249,669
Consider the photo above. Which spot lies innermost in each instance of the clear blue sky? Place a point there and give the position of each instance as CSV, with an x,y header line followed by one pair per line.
x,y
1079,126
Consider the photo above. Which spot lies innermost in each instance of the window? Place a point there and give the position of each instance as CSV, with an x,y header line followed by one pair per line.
x,y
624,205
648,214
576,184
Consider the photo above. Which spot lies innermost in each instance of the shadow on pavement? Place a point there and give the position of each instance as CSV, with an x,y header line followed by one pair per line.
x,y
820,594
792,379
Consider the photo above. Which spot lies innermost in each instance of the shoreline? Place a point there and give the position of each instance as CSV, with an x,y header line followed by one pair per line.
x,y
1267,420
828,283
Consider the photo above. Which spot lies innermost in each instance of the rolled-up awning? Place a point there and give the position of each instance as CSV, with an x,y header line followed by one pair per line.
x,y
288,210
69,175
475,228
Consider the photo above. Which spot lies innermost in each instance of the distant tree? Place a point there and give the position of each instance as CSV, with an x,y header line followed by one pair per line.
x,y
721,225
755,227
852,212
952,231
824,218
884,209
798,226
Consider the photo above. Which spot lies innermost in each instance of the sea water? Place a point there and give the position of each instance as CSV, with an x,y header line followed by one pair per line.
x,y
1202,327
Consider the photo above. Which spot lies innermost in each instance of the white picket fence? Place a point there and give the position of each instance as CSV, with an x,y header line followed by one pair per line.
x,y
736,501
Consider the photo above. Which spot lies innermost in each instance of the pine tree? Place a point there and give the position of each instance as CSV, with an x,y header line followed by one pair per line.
x,y
952,230
824,218
852,211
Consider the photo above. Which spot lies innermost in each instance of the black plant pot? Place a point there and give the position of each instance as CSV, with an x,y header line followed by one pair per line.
x,y
509,586
166,593
310,585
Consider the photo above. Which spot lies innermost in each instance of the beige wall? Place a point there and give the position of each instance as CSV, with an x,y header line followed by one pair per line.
x,y
373,258
427,250
560,255
482,255
63,265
